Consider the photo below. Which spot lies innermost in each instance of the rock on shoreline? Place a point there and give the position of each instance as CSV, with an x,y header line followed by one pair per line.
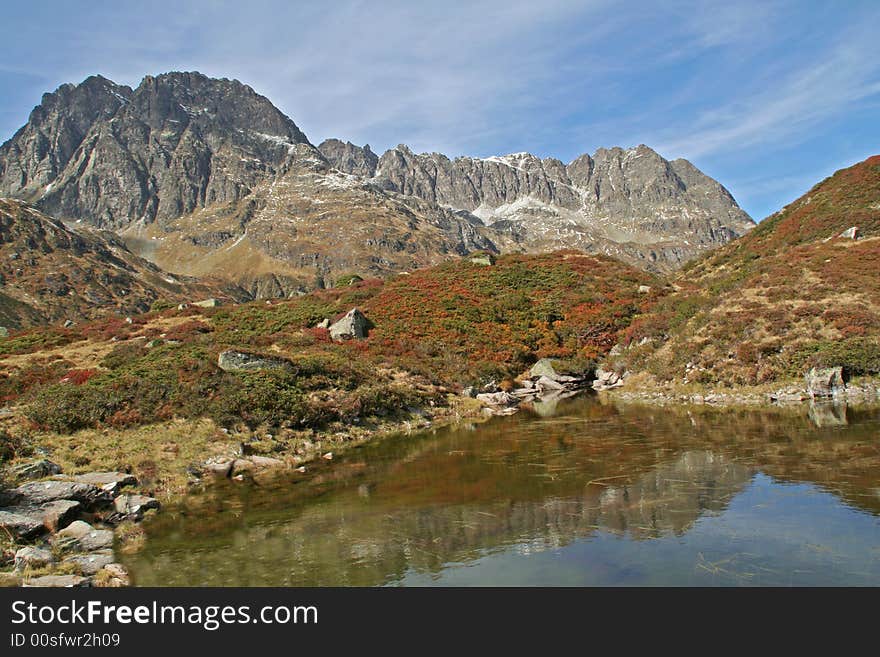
x,y
45,518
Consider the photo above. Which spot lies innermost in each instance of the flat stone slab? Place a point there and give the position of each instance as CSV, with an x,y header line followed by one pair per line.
x,y
80,536
21,526
40,492
90,563
29,521
66,581
106,480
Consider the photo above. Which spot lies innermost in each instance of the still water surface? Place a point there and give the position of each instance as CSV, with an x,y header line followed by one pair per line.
x,y
583,494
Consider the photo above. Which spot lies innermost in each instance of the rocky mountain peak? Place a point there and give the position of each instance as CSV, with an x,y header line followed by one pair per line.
x,y
348,158
111,156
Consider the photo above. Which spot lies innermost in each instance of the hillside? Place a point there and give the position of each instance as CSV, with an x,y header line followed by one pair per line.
x,y
434,331
797,291
50,272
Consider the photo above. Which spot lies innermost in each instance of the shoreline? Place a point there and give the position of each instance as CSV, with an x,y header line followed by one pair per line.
x,y
48,560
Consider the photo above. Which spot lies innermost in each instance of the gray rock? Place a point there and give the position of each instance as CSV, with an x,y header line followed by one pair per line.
x,y
850,233
40,492
109,482
266,462
80,536
239,361
134,506
20,525
485,259
644,289
469,391
29,521
223,469
4,332
207,303
607,379
543,367
324,324
91,563
353,326
32,557
545,383
57,581
497,398
117,575
35,469
822,382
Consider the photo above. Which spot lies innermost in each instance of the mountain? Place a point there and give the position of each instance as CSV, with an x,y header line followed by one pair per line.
x,y
800,290
113,156
51,272
205,176
629,197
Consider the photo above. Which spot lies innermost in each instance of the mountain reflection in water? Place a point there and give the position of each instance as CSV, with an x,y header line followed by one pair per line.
x,y
596,494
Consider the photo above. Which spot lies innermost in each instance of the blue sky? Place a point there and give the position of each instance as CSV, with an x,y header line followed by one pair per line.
x,y
768,97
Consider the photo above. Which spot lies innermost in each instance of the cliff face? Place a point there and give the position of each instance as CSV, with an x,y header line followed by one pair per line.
x,y
205,176
658,212
113,156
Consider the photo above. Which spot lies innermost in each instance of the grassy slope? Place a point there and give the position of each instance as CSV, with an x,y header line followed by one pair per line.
x,y
788,295
434,330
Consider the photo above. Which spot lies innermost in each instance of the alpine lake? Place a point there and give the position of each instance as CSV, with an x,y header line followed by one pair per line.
x,y
585,492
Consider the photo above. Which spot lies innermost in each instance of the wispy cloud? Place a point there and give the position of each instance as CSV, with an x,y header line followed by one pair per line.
x,y
722,82
826,84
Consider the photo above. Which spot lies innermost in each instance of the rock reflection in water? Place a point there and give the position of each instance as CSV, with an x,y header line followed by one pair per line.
x,y
420,505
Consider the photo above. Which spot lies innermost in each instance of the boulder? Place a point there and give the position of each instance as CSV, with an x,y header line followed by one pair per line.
x,y
80,536
353,326
239,361
323,324
4,332
644,289
32,557
851,233
35,469
66,581
482,258
134,506
822,382
207,303
543,367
